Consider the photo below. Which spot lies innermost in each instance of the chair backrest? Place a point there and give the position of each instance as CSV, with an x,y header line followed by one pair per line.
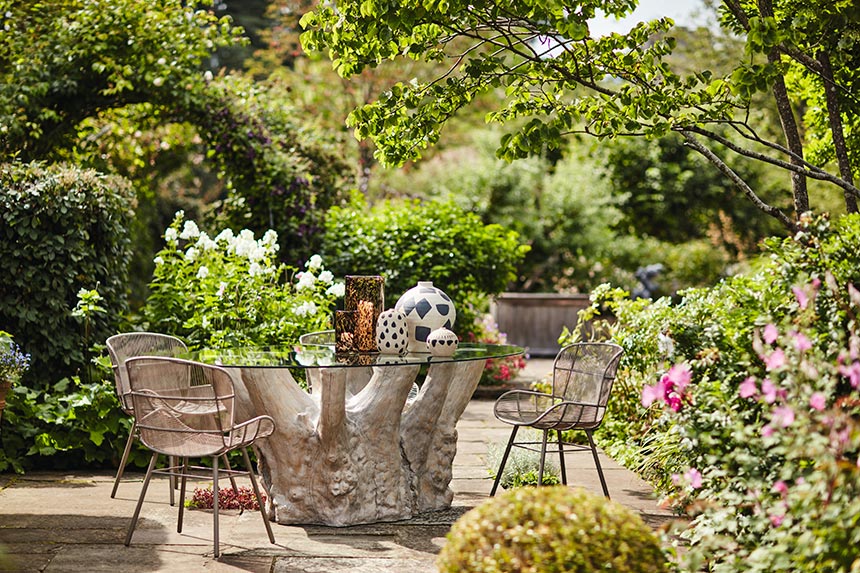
x,y
181,407
121,347
583,373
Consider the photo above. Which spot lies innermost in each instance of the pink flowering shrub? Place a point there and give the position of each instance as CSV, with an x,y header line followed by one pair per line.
x,y
242,498
497,370
742,406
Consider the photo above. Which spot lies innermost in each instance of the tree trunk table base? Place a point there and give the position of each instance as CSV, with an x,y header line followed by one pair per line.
x,y
353,451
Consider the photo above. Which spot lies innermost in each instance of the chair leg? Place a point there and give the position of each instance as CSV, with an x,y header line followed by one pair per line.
x,y
228,468
257,493
561,457
171,479
182,483
133,523
597,463
124,460
504,461
542,457
215,496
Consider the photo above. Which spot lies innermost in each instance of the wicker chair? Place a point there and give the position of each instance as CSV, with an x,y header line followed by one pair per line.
x,y
121,347
582,379
186,410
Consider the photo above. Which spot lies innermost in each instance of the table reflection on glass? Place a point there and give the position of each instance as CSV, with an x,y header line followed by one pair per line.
x,y
356,448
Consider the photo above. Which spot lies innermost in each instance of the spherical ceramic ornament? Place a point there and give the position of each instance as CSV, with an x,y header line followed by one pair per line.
x,y
426,308
391,332
442,342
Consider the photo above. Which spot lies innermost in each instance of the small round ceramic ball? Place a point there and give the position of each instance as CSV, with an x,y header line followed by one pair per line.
x,y
442,342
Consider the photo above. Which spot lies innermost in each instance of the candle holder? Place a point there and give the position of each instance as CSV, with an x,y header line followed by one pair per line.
x,y
364,296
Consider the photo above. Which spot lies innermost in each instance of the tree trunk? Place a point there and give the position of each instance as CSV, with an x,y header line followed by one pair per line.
x,y
834,116
789,125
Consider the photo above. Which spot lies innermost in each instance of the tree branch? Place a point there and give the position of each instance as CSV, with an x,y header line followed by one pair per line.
x,y
695,144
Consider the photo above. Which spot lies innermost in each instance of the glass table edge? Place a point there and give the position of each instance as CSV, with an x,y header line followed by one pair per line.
x,y
316,356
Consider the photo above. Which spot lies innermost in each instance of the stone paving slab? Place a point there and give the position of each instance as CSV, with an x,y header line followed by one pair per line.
x,y
67,523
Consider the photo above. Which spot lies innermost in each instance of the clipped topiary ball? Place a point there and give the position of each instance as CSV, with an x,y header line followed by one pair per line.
x,y
550,530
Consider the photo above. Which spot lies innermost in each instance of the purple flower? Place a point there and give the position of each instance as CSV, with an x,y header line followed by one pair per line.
x,y
801,342
768,388
783,415
817,401
801,296
770,333
652,393
775,360
680,375
780,487
694,476
748,388
674,401
851,372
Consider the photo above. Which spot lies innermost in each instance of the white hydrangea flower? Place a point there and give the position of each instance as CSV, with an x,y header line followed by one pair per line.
x,y
315,262
191,254
205,243
270,237
306,281
666,345
326,277
256,252
170,235
255,269
202,272
225,235
305,309
246,235
158,261
189,231
337,289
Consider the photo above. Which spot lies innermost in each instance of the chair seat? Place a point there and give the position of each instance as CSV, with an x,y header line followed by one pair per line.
x,y
545,411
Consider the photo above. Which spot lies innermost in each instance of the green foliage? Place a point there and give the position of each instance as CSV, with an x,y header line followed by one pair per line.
x,y
83,76
409,241
64,230
280,175
550,530
71,423
672,194
231,291
553,79
760,437
523,465
63,62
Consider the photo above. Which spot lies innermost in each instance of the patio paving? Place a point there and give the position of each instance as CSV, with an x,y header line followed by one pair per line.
x,y
67,522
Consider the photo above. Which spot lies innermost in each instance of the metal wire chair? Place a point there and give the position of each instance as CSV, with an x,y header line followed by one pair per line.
x,y
127,345
186,409
582,379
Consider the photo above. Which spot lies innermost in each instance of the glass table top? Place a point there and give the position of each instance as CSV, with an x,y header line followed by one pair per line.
x,y
321,355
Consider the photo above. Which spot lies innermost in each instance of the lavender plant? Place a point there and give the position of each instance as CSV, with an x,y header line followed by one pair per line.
x,y
13,362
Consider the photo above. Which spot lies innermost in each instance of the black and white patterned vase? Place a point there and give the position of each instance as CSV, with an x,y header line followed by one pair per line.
x,y
391,332
442,342
426,308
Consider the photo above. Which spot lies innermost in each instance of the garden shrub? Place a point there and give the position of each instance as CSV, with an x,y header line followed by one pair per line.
x,y
523,465
231,291
742,405
410,241
550,530
63,230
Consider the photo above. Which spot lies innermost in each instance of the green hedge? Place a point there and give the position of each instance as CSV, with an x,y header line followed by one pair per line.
x,y
64,230
410,241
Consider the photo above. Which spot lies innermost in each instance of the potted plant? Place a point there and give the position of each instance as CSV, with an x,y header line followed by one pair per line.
x,y
13,363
